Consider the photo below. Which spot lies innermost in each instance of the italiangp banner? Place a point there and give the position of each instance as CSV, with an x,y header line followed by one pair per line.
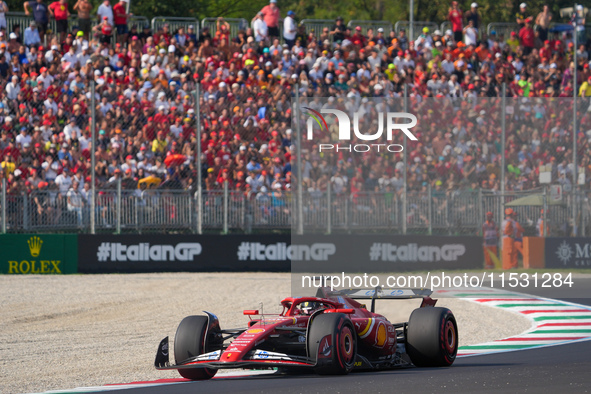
x,y
390,253
568,253
46,254
275,253
182,253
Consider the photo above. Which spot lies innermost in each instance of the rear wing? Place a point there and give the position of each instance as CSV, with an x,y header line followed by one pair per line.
x,y
380,293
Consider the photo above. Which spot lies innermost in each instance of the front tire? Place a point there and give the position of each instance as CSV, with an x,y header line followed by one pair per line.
x,y
332,343
190,341
432,337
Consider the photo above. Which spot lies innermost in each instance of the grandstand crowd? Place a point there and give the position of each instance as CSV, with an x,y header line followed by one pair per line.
x,y
146,120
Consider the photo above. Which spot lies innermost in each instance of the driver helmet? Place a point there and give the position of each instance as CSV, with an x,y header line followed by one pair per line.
x,y
308,307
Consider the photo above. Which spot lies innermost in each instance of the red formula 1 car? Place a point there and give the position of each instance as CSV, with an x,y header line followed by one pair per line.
x,y
331,333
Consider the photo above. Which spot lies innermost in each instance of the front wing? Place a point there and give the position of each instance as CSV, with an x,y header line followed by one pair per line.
x,y
255,359
262,359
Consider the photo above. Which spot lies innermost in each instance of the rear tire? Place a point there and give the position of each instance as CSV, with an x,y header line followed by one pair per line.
x,y
190,341
432,337
339,351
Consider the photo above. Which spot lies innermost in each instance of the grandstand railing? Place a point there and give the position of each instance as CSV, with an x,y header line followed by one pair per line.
x,y
417,26
174,23
236,24
166,210
502,28
21,19
445,26
316,25
375,25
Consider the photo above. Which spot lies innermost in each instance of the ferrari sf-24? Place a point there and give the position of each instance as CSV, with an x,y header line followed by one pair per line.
x,y
330,334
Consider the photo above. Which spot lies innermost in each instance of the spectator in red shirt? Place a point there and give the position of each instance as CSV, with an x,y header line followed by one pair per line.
x,y
59,10
271,14
527,37
455,16
120,18
106,30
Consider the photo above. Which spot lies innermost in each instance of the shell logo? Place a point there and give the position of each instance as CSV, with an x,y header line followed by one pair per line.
x,y
381,335
255,330
368,328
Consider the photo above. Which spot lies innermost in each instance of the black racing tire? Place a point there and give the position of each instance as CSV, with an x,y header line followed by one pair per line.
x,y
189,341
343,343
432,337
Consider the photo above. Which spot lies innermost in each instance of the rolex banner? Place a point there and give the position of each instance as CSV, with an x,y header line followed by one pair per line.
x,y
42,254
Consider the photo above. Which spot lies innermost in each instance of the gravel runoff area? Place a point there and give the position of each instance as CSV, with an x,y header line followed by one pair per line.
x,y
60,332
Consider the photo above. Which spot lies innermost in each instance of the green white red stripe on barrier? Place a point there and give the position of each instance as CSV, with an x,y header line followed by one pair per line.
x,y
553,322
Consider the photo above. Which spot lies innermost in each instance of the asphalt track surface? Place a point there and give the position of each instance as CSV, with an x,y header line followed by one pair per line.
x,y
554,369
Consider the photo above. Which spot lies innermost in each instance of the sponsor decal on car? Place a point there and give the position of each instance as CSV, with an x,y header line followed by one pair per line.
x,y
255,330
210,356
326,348
267,355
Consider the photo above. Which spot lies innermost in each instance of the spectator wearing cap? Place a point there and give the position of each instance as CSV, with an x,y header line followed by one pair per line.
x,y
120,20
13,45
456,19
32,37
338,30
271,15
289,29
527,37
59,10
579,19
260,28
474,16
159,144
13,88
521,15
40,14
191,36
105,29
64,180
83,7
424,40
543,22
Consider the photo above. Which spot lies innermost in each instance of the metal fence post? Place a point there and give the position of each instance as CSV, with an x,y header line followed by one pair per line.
x,y
3,205
26,216
300,207
199,203
503,134
118,206
545,214
430,202
480,213
225,230
329,206
92,158
575,93
404,155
